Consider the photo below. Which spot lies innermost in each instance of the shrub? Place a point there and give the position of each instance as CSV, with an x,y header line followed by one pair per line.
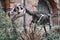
x,y
5,23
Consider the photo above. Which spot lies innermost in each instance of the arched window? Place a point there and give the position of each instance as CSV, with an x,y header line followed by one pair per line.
x,y
43,7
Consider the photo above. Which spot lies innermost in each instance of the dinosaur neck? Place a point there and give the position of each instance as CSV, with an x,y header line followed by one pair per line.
x,y
31,12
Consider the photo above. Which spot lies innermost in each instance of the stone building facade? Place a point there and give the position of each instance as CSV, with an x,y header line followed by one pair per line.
x,y
31,5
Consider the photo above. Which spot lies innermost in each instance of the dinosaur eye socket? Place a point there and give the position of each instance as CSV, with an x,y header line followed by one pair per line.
x,y
17,8
21,8
14,10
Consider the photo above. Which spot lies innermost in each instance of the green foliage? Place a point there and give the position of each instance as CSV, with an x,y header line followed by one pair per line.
x,y
4,20
5,23
7,28
2,34
54,36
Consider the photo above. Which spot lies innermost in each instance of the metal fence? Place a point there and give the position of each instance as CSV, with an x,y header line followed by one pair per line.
x,y
59,17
